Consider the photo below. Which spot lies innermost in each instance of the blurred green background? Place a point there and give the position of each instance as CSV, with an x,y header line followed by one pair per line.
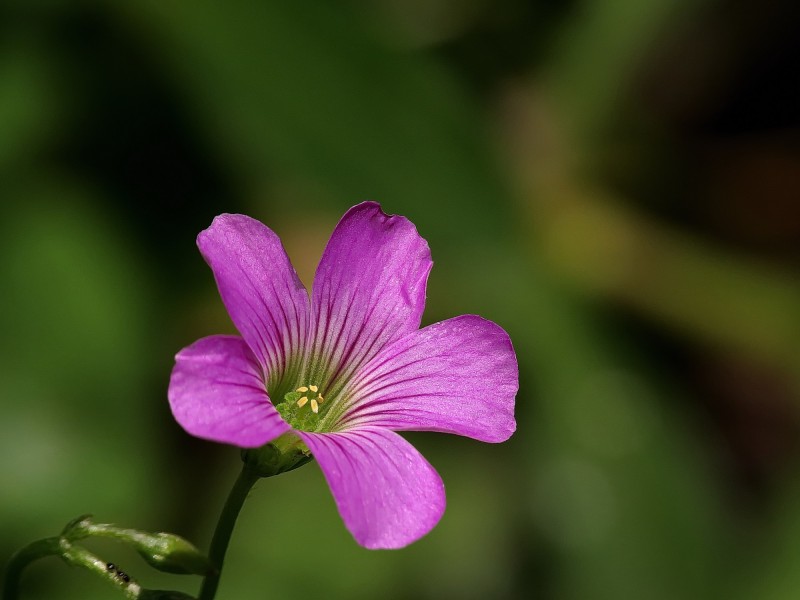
x,y
615,182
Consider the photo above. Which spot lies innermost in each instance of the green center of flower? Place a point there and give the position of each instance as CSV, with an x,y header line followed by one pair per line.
x,y
303,408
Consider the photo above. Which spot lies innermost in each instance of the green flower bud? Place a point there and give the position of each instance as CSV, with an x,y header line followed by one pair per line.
x,y
171,553
284,454
163,551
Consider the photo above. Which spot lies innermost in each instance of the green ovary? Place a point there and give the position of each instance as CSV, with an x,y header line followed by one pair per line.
x,y
303,408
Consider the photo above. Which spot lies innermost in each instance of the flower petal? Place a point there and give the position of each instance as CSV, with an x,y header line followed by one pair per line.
x,y
216,392
458,376
386,492
369,289
260,288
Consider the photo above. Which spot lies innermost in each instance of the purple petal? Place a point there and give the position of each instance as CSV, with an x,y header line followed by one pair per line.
x,y
386,492
369,289
216,392
263,295
458,376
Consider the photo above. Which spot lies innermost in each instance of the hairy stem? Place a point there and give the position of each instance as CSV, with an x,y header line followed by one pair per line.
x,y
77,556
72,555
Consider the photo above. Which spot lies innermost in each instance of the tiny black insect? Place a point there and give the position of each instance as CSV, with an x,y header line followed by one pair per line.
x,y
111,566
124,576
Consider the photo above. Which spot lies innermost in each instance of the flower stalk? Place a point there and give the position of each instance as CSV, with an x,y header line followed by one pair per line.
x,y
22,558
165,552
222,534
77,556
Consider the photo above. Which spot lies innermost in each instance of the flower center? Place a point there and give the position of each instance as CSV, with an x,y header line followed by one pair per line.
x,y
303,407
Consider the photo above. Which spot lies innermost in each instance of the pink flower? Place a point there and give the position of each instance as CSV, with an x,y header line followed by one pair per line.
x,y
346,368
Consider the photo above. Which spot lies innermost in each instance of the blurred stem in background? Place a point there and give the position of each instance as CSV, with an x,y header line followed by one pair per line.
x,y
591,237
553,133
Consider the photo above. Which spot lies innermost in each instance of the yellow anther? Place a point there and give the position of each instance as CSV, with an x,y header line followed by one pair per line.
x,y
320,399
313,388
302,402
303,389
314,406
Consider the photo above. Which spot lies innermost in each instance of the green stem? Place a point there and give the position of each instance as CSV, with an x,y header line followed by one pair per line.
x,y
222,534
22,559
77,556
72,555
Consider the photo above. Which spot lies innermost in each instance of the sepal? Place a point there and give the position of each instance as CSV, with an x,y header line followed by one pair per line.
x,y
286,453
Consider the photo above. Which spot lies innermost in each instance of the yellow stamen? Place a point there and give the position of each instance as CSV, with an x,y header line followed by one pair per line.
x,y
314,406
313,388
302,402
303,389
320,399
